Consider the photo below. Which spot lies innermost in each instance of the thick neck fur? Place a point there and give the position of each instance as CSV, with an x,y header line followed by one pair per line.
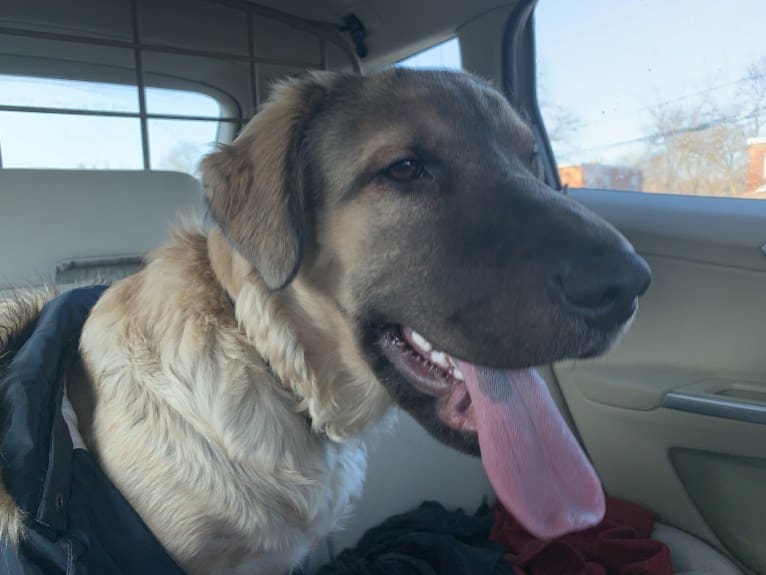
x,y
305,339
199,403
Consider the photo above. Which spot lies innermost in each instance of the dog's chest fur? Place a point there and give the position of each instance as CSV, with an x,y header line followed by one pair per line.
x,y
194,429
227,554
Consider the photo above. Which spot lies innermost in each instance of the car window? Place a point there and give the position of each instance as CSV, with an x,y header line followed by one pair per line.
x,y
53,123
661,96
443,55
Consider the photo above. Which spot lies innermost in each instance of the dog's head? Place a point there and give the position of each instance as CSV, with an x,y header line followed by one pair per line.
x,y
411,200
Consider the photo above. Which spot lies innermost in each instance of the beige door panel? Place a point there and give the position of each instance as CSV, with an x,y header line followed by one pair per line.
x,y
675,417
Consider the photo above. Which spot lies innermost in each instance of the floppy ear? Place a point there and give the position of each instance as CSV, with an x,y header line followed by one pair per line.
x,y
254,187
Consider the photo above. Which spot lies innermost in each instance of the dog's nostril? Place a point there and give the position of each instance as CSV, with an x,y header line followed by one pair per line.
x,y
599,285
591,292
610,295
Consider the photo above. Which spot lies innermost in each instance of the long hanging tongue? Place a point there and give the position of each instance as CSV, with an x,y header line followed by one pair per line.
x,y
538,470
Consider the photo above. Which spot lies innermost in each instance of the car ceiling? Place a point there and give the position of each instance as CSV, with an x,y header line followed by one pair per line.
x,y
396,28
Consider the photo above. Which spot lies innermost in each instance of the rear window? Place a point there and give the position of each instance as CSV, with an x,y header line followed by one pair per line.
x,y
53,123
445,55
143,85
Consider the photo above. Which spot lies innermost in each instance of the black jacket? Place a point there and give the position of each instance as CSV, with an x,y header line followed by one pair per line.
x,y
76,520
429,540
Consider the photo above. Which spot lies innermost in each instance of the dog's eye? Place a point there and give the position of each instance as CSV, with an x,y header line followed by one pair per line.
x,y
406,170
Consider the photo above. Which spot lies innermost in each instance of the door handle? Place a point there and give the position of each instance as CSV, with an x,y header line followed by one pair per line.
x,y
715,407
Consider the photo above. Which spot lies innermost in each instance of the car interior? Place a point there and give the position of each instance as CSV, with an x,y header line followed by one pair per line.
x,y
106,107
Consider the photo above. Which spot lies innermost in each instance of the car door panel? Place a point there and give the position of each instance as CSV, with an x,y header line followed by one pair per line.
x,y
673,417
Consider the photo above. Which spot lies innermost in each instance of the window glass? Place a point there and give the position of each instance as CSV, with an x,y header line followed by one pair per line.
x,y
655,96
34,140
65,139
178,145
181,102
756,178
444,55
69,94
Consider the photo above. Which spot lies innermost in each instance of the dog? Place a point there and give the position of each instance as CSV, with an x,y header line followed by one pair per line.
x,y
371,241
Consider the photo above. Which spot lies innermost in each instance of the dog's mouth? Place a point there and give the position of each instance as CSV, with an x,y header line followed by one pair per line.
x,y
432,372
535,464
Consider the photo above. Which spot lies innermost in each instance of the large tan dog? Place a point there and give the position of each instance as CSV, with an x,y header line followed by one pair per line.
x,y
373,239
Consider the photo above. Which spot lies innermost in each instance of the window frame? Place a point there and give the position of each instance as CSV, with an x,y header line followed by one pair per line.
x,y
228,123
519,69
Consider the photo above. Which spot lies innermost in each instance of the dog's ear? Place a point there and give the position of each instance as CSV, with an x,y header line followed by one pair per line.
x,y
254,187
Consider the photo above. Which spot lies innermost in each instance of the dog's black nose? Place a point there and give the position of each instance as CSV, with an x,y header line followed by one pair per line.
x,y
603,288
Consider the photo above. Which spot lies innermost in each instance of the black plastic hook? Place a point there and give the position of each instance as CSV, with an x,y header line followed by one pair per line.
x,y
353,25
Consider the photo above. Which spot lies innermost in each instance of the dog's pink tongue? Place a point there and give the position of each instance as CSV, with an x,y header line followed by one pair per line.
x,y
538,470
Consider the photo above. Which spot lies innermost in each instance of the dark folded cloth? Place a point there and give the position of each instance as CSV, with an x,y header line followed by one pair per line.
x,y
619,545
426,541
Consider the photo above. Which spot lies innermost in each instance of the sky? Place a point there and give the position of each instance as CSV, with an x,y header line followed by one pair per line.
x,y
444,55
66,141
109,142
605,63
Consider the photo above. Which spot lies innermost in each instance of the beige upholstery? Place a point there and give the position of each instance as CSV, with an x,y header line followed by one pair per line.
x,y
52,217
407,466
49,217
692,556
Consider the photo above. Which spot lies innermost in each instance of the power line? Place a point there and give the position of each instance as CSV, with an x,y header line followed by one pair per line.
x,y
658,136
682,98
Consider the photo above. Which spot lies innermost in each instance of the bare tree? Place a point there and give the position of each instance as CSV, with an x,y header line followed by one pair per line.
x,y
754,92
697,151
561,124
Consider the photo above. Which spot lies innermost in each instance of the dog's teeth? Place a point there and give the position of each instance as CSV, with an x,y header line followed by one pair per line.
x,y
457,374
420,341
439,358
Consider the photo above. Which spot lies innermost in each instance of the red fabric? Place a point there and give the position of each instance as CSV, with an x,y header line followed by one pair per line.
x,y
619,545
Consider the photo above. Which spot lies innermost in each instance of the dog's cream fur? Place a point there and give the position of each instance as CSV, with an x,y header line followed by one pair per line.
x,y
239,445
204,393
